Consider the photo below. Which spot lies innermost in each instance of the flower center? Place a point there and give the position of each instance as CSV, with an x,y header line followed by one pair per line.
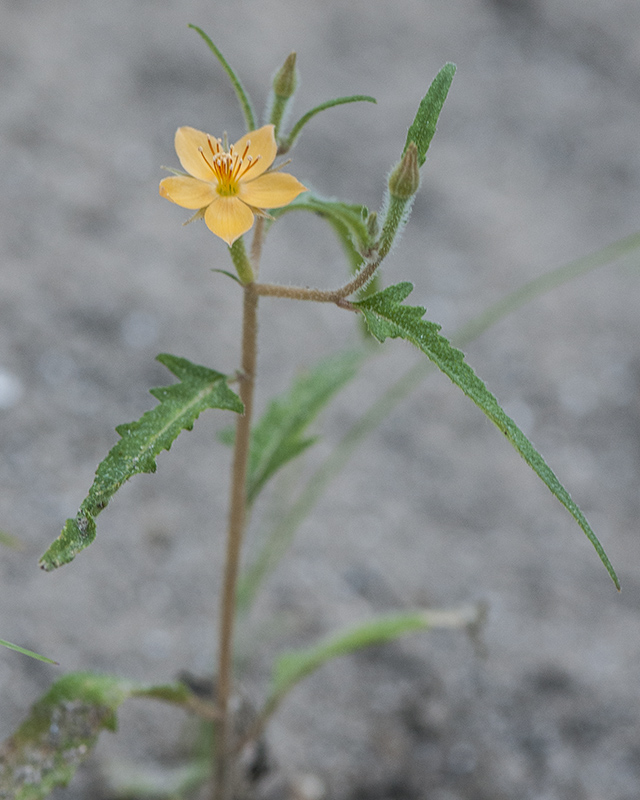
x,y
228,169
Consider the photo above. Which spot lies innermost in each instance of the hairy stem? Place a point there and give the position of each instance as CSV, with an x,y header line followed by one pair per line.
x,y
237,519
320,295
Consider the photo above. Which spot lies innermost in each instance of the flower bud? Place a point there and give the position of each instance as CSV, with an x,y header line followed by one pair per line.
x,y
405,178
286,79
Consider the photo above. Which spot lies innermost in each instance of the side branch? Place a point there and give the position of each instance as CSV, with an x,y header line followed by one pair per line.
x,y
337,296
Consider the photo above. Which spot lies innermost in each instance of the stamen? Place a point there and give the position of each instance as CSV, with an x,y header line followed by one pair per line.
x,y
251,162
204,158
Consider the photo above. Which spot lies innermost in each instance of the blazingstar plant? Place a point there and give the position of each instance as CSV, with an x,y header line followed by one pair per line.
x,y
238,188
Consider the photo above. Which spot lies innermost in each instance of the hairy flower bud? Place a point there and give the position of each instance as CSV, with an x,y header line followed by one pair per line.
x,y
405,178
286,79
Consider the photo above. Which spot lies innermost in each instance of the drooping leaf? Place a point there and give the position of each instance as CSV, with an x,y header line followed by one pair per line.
x,y
424,125
386,316
24,652
140,443
348,220
288,143
290,668
243,97
63,727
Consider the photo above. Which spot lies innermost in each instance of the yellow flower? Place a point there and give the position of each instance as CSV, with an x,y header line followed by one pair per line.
x,y
229,187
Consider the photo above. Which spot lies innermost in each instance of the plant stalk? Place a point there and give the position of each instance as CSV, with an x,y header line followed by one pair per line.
x,y
320,295
223,758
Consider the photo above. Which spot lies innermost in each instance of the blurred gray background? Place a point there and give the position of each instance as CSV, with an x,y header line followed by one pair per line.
x,y
536,161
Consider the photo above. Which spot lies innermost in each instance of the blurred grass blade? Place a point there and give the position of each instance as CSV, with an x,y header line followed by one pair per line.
x,y
290,668
423,126
288,143
278,436
388,317
243,97
137,781
24,652
8,540
141,442
62,729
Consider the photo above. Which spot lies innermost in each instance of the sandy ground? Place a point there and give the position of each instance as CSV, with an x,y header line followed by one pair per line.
x,y
536,161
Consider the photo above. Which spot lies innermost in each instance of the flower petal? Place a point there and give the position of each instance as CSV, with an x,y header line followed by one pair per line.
x,y
187,144
228,218
263,144
188,192
271,191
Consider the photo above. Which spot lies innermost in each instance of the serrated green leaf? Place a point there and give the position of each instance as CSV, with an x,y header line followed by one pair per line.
x,y
24,652
290,668
387,317
289,521
241,94
140,443
424,125
287,144
63,727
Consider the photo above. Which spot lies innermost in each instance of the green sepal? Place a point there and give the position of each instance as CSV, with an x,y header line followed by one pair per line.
x,y
424,125
387,317
63,727
24,652
141,441
243,97
287,143
348,220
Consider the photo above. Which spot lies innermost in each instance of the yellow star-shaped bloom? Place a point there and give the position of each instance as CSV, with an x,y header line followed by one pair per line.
x,y
229,187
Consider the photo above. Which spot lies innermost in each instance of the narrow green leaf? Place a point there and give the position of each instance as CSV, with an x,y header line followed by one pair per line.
x,y
348,220
140,443
424,125
351,217
243,97
387,317
26,652
63,727
287,144
290,668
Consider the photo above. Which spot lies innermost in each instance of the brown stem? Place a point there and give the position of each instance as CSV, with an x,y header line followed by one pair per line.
x,y
237,516
320,295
